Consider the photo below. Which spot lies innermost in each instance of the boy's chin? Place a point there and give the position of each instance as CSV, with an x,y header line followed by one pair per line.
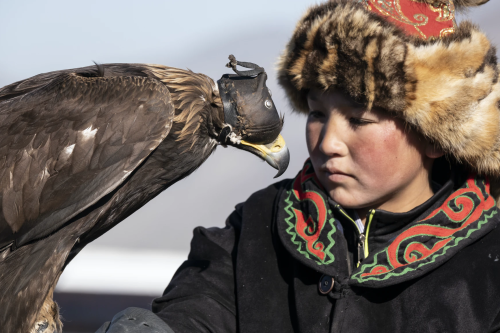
x,y
347,200
349,196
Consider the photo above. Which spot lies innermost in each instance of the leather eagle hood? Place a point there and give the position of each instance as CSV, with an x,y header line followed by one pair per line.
x,y
445,87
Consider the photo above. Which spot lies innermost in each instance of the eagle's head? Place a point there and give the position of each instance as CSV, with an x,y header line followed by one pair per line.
x,y
251,121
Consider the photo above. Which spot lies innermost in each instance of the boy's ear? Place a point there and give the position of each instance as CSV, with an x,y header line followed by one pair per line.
x,y
433,151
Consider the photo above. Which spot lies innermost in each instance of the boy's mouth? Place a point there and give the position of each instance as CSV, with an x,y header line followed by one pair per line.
x,y
335,174
333,170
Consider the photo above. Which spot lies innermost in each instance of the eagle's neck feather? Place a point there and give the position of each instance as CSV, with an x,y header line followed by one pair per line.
x,y
198,106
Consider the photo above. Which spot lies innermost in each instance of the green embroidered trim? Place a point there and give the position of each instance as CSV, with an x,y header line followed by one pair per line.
x,y
443,251
331,221
291,222
291,225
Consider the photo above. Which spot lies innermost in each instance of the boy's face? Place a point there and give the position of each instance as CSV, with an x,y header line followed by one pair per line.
x,y
362,158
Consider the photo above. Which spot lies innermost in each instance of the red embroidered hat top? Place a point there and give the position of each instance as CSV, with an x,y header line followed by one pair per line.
x,y
417,18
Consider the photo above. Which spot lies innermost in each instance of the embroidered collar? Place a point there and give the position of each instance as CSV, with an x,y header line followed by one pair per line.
x,y
403,246
385,226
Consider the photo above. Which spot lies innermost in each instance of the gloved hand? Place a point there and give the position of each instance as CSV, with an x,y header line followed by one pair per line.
x,y
135,320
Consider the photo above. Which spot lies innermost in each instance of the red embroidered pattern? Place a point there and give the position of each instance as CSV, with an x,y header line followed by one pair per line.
x,y
313,229
469,212
307,230
416,18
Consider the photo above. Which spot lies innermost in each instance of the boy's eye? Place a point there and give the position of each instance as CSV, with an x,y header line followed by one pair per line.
x,y
359,121
316,114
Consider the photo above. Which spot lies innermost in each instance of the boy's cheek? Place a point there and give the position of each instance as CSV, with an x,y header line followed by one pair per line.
x,y
378,152
313,131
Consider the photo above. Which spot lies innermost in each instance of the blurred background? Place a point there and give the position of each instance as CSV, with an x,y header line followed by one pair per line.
x,y
134,262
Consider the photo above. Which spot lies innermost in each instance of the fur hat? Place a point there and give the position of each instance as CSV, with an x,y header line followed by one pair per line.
x,y
446,86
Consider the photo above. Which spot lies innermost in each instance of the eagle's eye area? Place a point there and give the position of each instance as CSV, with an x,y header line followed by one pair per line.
x,y
249,108
268,103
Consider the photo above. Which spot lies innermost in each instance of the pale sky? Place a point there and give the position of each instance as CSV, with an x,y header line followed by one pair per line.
x,y
54,34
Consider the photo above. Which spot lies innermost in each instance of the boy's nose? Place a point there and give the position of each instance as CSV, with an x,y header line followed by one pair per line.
x,y
332,143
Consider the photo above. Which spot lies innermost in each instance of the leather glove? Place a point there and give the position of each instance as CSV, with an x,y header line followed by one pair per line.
x,y
135,320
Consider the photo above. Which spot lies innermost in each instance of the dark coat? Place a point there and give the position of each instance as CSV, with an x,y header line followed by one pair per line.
x,y
433,269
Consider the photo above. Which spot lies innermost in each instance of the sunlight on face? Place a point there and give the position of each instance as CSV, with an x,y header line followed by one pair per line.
x,y
363,158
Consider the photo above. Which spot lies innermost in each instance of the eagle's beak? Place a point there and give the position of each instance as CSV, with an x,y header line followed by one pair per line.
x,y
275,153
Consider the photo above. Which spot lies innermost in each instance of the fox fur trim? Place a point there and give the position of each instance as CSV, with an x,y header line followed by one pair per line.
x,y
448,88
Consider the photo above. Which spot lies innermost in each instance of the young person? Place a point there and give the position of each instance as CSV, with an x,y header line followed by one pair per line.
x,y
391,226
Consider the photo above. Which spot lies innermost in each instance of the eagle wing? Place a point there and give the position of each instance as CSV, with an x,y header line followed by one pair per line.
x,y
67,143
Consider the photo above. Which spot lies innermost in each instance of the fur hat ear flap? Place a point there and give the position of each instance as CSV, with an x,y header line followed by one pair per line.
x,y
459,4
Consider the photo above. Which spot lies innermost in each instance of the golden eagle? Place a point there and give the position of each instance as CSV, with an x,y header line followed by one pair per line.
x,y
82,149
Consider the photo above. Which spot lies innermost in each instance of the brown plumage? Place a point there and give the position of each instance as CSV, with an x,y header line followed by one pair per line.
x,y
82,149
446,88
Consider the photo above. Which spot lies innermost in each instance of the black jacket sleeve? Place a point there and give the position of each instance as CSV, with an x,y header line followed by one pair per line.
x,y
495,326
201,295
